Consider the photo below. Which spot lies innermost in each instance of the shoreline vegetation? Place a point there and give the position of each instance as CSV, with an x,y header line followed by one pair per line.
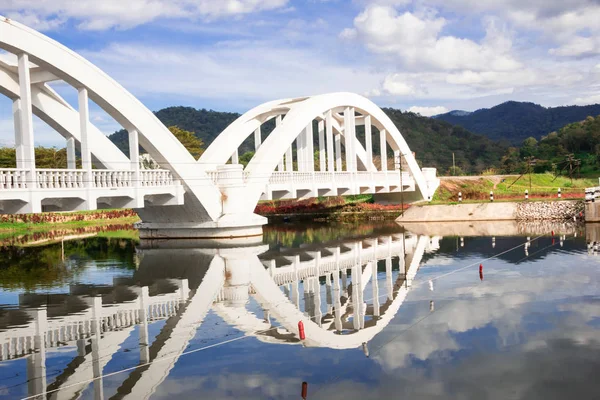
x,y
544,187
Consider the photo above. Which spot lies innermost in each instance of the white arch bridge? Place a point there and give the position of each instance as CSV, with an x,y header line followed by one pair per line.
x,y
212,196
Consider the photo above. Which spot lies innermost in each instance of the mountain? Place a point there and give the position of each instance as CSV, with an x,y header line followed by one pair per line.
x,y
434,141
516,121
206,124
578,142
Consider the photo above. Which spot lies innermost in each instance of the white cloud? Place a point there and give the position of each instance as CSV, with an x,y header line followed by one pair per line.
x,y
106,14
416,42
249,72
428,111
395,85
578,46
592,99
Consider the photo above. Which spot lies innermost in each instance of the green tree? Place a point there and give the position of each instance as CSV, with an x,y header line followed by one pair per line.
x,y
246,157
192,143
50,157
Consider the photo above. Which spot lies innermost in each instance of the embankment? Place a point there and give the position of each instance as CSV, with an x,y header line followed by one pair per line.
x,y
502,211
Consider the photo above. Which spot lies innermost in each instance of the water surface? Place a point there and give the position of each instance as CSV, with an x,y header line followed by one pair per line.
x,y
387,313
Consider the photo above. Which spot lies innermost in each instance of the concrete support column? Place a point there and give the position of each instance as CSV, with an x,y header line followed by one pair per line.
x,y
356,289
134,165
295,289
338,152
86,154
388,278
309,154
71,158
237,281
368,141
257,139
278,121
329,134
96,358
322,155
383,149
375,288
300,151
397,160
337,302
36,363
22,110
144,298
235,159
84,117
349,137
289,161
230,180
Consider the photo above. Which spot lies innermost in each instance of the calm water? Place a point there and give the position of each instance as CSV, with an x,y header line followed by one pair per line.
x,y
387,313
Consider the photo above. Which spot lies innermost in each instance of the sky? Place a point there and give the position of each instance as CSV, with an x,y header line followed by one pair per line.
x,y
427,56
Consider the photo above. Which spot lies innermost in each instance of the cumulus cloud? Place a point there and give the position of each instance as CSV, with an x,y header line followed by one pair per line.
x,y
592,99
428,111
106,14
415,40
395,84
236,70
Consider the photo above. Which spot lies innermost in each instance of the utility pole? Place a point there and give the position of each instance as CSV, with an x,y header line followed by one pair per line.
x,y
398,162
453,165
531,161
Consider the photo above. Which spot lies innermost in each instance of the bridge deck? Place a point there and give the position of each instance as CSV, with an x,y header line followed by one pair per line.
x,y
71,189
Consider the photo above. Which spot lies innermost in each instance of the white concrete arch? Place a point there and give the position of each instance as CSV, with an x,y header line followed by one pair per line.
x,y
121,105
226,144
288,315
217,200
297,127
63,118
265,161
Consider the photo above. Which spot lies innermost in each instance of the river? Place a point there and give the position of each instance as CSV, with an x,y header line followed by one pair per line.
x,y
420,312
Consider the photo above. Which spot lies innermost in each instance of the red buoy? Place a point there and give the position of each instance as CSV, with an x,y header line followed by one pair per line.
x,y
552,233
480,267
480,275
304,388
301,330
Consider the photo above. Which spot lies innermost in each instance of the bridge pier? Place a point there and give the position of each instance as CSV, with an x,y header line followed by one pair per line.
x,y
190,221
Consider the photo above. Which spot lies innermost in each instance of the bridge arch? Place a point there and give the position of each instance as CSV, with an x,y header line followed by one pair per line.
x,y
51,108
215,200
65,64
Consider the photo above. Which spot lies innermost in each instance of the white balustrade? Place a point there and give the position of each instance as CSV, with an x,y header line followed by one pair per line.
x,y
13,178
156,177
213,176
59,178
104,178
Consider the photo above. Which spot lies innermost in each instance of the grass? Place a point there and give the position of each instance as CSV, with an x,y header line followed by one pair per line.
x,y
509,188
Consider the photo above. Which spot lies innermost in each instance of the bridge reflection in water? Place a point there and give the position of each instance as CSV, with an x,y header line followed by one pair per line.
x,y
332,288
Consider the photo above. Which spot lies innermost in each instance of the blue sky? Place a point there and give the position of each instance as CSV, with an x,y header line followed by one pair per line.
x,y
425,55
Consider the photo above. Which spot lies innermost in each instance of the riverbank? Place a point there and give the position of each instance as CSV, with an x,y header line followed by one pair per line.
x,y
11,224
510,188
495,211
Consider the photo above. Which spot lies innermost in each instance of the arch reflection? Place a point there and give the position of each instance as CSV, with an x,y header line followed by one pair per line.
x,y
344,292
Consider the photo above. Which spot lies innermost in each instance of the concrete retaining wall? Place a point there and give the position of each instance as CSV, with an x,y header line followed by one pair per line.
x,y
502,211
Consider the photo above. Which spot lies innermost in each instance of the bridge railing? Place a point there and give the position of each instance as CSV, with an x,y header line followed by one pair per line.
x,y
60,178
156,177
112,178
387,177
15,178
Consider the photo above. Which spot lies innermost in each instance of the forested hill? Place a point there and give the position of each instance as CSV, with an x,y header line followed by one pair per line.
x,y
206,124
432,140
435,141
516,121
